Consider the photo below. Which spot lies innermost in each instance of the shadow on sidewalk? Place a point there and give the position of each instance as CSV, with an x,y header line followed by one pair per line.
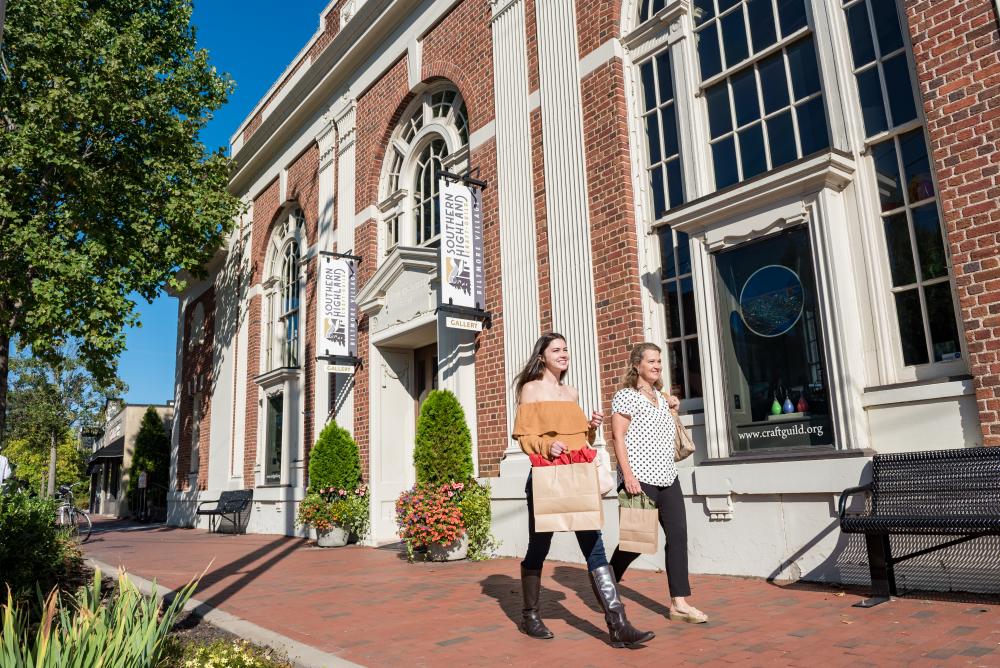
x,y
275,551
507,592
578,580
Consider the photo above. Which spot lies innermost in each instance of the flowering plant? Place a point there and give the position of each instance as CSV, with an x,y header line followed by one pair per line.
x,y
327,507
429,514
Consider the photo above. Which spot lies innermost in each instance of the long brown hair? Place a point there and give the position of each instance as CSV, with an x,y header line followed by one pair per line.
x,y
535,367
631,377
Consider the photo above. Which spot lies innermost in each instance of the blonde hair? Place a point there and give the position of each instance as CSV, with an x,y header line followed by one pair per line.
x,y
631,377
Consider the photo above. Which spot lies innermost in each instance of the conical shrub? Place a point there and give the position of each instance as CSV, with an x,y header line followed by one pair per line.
x,y
443,451
335,460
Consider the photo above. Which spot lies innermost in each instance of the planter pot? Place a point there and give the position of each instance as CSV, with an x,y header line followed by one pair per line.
x,y
335,537
453,551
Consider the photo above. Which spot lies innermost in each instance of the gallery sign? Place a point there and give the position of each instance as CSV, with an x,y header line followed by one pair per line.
x,y
461,258
337,311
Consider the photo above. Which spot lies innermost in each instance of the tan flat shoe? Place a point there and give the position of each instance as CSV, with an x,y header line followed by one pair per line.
x,y
692,616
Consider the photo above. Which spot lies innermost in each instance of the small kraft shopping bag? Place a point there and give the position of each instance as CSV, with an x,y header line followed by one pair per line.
x,y
638,523
566,498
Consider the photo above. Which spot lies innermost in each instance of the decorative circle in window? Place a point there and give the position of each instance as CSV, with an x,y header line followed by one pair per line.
x,y
771,300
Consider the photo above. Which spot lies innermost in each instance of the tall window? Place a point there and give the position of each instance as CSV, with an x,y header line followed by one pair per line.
x,y
284,293
195,462
434,135
919,266
290,304
761,84
272,452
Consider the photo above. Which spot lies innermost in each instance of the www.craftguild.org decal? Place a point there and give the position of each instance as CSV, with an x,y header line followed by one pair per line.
x,y
337,308
461,245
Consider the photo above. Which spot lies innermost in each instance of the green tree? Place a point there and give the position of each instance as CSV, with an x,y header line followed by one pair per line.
x,y
30,459
152,452
443,451
335,461
105,188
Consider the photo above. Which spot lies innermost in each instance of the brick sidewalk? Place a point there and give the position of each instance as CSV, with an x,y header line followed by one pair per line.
x,y
370,606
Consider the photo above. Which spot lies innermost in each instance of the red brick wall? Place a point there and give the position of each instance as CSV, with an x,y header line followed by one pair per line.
x,y
614,244
597,21
365,245
196,378
956,47
378,111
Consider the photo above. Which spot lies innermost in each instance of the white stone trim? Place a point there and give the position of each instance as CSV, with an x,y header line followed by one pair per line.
x,y
600,56
370,212
482,135
918,393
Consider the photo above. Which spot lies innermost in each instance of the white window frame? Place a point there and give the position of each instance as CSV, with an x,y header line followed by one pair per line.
x,y
194,465
437,113
288,233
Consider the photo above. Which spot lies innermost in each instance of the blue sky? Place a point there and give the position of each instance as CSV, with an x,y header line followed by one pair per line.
x,y
252,40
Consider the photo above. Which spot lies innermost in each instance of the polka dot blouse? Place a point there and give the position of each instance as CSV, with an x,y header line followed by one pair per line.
x,y
649,440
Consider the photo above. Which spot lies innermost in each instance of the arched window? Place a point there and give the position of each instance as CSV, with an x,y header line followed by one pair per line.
x,y
284,287
433,136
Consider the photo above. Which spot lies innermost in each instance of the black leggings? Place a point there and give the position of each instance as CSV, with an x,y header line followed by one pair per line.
x,y
539,542
670,503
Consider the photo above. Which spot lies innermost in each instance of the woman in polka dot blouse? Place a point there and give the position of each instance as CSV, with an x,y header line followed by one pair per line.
x,y
644,431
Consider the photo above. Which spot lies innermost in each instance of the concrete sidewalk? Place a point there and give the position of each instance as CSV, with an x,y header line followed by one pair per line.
x,y
371,607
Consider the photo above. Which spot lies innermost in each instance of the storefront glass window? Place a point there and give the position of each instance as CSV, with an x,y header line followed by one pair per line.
x,y
768,108
919,269
272,454
776,384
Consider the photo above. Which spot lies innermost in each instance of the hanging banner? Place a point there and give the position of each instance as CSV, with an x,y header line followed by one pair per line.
x,y
462,275
337,313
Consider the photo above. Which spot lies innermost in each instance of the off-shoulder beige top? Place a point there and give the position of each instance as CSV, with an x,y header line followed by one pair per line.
x,y
539,423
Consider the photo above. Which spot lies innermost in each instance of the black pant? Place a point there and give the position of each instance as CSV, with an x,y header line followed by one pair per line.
x,y
670,503
539,542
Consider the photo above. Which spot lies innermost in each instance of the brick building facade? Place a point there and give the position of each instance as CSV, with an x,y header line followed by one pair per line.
x,y
796,199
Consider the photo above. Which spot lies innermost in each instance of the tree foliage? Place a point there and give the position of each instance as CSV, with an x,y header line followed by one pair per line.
x,y
30,459
105,188
335,461
152,452
443,451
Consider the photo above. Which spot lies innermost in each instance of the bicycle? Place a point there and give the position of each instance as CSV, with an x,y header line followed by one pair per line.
x,y
75,520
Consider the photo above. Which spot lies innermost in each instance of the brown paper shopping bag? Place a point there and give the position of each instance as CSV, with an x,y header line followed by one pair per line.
x,y
566,498
638,523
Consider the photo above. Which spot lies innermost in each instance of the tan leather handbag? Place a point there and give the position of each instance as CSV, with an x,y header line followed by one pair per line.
x,y
683,445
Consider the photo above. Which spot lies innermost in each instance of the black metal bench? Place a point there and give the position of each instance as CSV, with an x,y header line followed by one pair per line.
x,y
937,493
230,505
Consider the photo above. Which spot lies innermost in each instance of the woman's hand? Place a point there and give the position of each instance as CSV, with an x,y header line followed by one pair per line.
x,y
556,448
673,402
632,485
596,420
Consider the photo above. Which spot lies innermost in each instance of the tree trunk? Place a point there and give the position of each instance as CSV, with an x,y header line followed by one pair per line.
x,y
52,466
4,372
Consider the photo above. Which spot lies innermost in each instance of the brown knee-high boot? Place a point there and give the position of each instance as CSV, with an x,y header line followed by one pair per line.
x,y
622,633
531,622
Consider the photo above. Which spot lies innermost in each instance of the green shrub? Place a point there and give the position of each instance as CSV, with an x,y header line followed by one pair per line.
x,y
477,514
443,451
128,629
33,551
334,461
222,654
152,452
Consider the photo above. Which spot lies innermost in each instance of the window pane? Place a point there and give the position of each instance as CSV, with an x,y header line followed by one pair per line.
x,y
781,139
676,361
675,187
941,315
792,15
911,327
272,457
899,89
683,254
887,175
648,84
703,10
897,242
773,83
762,32
665,76
687,303
812,126
694,368
653,138
872,106
886,26
803,69
752,155
667,252
719,119
726,4
734,38
659,194
745,97
916,166
930,245
669,131
860,32
708,52
724,160
672,309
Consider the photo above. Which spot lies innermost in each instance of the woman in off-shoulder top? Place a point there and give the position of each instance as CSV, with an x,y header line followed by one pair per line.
x,y
549,422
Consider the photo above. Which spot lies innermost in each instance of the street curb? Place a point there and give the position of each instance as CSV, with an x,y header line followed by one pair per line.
x,y
302,655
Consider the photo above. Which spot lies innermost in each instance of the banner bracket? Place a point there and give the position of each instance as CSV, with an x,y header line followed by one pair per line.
x,y
466,179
